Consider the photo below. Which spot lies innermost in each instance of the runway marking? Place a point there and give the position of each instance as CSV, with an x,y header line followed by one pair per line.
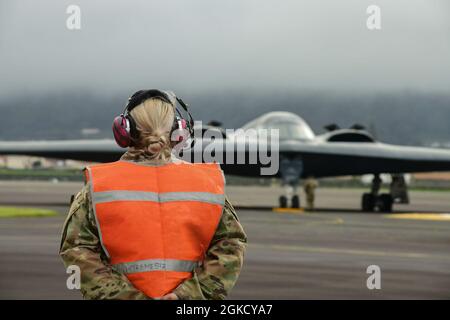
x,y
343,251
303,222
337,221
289,210
420,216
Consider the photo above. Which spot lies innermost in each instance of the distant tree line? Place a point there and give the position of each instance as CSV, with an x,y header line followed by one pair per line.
x,y
403,118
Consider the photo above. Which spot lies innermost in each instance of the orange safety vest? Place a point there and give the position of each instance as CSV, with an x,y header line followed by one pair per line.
x,y
156,222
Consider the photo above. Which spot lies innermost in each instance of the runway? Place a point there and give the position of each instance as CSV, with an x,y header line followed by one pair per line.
x,y
319,255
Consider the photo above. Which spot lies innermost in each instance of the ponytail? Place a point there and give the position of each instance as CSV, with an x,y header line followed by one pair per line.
x,y
154,119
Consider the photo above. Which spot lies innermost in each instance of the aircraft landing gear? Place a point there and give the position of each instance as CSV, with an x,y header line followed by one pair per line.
x,y
283,202
368,202
371,201
383,202
295,201
291,172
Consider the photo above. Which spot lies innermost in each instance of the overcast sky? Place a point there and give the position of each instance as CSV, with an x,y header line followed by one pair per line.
x,y
203,45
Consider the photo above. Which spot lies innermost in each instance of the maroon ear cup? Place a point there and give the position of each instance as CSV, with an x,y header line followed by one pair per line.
x,y
124,127
121,131
178,133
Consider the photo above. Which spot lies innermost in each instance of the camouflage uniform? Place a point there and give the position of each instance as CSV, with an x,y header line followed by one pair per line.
x,y
80,245
309,187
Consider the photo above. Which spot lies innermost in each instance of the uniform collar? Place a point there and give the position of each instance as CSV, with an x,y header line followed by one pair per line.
x,y
146,161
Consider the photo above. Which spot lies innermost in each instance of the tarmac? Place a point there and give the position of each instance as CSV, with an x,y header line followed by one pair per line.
x,y
291,255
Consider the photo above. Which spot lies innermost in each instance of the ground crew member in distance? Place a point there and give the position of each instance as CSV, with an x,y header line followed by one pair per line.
x,y
151,225
309,187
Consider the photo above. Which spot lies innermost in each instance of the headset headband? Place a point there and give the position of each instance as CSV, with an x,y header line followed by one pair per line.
x,y
167,96
140,96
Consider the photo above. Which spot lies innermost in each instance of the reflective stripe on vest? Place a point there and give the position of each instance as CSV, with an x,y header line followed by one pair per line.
x,y
156,223
124,195
156,265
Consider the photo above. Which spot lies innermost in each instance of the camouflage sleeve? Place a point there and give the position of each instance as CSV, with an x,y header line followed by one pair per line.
x,y
215,278
80,245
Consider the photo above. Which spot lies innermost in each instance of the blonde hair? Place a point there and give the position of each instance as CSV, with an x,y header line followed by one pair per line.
x,y
154,119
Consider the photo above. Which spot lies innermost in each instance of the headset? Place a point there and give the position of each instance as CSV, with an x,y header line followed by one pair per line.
x,y
124,126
